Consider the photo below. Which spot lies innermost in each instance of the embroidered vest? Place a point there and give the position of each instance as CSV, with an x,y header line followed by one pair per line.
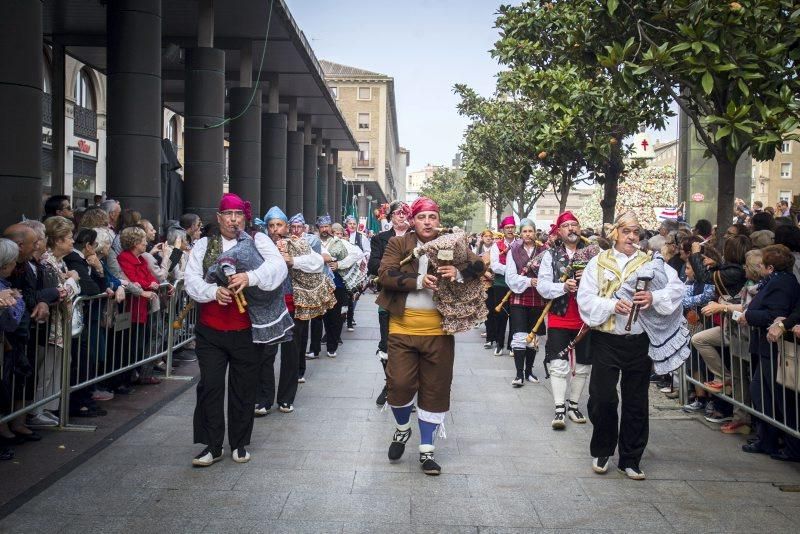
x,y
606,263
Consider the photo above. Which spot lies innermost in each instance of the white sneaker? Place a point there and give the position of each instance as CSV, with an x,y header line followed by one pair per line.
x,y
600,465
40,420
517,383
311,356
301,380
382,355
331,355
285,407
206,458
240,455
351,329
498,351
632,472
533,378
261,410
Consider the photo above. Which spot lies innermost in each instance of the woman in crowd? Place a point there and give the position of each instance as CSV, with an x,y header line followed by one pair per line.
x,y
483,249
789,236
699,292
777,296
133,241
12,309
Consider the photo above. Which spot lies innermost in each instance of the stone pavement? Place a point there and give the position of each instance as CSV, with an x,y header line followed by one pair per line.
x,y
323,468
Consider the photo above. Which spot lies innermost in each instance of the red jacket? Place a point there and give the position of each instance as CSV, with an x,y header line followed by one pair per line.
x,y
136,270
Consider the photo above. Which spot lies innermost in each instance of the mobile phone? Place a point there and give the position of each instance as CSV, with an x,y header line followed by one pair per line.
x,y
735,315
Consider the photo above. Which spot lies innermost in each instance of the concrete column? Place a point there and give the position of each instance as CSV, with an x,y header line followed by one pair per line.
x,y
21,108
134,105
273,161
204,159
59,122
322,185
294,172
245,144
363,204
332,204
339,191
309,182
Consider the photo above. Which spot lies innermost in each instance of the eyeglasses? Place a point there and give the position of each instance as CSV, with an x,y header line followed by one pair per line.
x,y
231,213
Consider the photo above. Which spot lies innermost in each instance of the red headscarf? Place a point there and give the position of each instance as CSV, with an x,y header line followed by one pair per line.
x,y
507,221
564,217
423,204
231,201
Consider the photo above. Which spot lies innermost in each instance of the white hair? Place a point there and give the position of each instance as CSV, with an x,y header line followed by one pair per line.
x,y
9,251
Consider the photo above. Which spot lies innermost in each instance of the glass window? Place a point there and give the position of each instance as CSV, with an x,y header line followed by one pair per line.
x,y
363,121
84,93
786,147
785,195
363,153
335,92
365,93
786,171
172,131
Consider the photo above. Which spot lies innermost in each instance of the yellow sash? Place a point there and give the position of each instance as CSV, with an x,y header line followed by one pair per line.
x,y
417,323
607,262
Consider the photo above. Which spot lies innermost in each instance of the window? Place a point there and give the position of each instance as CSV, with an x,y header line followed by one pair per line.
x,y
786,147
363,121
335,93
785,195
363,153
84,171
786,171
84,93
365,93
172,131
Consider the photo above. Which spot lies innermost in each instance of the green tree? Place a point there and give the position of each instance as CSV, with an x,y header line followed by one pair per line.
x,y
448,189
582,113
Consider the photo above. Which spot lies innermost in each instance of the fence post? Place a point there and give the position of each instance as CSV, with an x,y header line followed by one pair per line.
x,y
66,368
173,312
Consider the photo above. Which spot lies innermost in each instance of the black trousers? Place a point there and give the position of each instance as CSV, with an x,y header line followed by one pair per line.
x,y
332,320
300,333
522,320
383,323
287,382
613,355
351,309
497,321
217,352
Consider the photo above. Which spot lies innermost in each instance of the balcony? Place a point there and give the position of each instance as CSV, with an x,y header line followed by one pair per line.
x,y
359,163
85,123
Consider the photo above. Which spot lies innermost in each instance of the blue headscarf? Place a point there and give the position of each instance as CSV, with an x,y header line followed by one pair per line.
x,y
349,218
324,220
275,213
297,219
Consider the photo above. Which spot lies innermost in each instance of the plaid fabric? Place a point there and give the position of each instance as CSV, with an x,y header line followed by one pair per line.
x,y
530,298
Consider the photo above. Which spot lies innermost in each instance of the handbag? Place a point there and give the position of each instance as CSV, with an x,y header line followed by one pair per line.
x,y
787,366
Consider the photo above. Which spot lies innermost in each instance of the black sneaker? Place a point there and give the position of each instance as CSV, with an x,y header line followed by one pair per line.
x,y
207,457
429,465
559,423
185,355
381,400
398,445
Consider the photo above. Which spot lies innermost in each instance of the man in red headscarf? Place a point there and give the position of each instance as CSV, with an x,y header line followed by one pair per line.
x,y
420,353
226,338
559,273
497,321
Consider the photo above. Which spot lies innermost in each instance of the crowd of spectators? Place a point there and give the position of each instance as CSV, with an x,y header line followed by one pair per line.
x,y
103,251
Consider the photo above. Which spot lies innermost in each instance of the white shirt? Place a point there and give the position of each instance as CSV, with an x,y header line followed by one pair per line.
x,y
596,310
421,299
365,246
516,282
268,276
494,258
546,287
308,263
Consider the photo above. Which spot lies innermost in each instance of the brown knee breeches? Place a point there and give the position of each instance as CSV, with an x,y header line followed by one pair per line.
x,y
421,365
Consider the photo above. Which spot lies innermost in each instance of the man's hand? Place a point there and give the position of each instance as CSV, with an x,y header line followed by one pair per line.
x,y
643,299
448,272
742,320
429,282
334,265
170,290
327,258
119,295
224,296
623,307
774,333
237,282
40,312
288,259
534,282
571,286
578,275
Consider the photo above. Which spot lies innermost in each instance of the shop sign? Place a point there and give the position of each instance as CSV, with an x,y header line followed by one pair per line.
x,y
698,197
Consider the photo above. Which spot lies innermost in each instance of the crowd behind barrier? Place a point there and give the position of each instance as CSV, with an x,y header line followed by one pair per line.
x,y
104,344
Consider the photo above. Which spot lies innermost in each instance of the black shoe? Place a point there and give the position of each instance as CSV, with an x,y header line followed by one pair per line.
x,y
429,465
6,453
754,448
398,445
186,355
207,457
33,436
600,465
381,400
656,377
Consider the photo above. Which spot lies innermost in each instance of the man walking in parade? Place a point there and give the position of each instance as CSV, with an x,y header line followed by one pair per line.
x,y
224,273
398,217
360,240
499,256
619,345
560,271
420,353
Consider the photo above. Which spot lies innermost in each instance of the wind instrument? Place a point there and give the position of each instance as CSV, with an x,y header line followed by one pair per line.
x,y
178,322
524,272
531,337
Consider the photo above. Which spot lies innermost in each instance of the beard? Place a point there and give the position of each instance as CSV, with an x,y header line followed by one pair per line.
x,y
571,238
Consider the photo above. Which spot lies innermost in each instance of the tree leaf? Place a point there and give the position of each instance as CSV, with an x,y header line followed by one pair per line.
x,y
708,83
612,6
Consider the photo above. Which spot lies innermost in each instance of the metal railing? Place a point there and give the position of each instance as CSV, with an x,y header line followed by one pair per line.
x,y
107,343
761,385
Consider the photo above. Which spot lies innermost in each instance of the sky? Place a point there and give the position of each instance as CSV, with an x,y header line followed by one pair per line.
x,y
427,46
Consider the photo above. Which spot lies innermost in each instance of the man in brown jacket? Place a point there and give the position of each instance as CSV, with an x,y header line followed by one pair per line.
x,y
420,353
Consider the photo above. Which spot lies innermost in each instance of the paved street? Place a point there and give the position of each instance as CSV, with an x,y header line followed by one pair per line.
x,y
323,468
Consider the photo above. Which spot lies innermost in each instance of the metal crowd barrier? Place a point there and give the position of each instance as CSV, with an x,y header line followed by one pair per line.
x,y
767,388
108,344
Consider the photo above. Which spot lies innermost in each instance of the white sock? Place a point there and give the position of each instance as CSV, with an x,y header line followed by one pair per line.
x,y
559,385
576,388
426,448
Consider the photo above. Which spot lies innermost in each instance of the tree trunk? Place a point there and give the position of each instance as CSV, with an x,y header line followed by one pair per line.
x,y
611,186
564,193
726,182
